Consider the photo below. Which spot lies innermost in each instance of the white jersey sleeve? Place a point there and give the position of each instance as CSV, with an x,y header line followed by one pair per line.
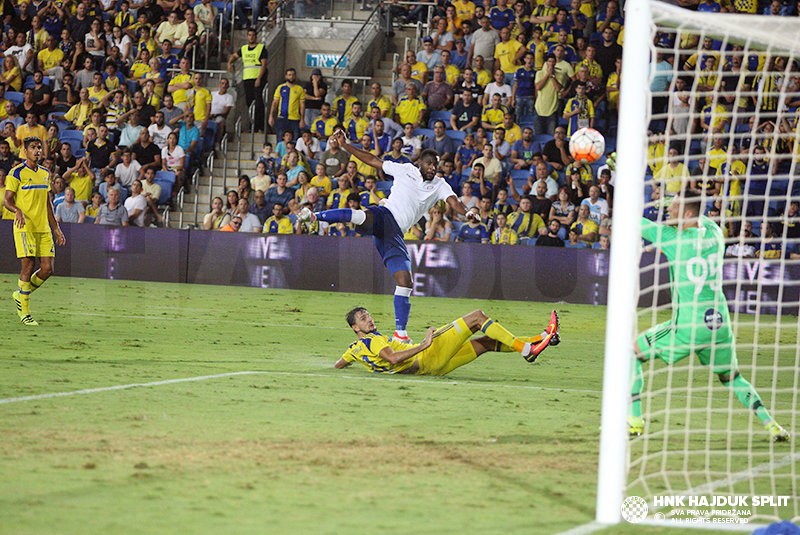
x,y
402,171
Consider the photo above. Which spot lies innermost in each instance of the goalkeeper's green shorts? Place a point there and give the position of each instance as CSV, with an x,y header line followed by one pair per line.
x,y
672,344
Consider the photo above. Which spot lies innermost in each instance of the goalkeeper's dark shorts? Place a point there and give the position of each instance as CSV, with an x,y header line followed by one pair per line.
x,y
672,344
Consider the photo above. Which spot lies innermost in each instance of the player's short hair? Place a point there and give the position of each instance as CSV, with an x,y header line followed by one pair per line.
x,y
29,140
691,201
429,154
351,316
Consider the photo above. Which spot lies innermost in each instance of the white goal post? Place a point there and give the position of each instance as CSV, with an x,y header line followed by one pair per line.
x,y
698,438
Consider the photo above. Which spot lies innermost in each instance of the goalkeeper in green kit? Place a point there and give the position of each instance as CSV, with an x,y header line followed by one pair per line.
x,y
700,323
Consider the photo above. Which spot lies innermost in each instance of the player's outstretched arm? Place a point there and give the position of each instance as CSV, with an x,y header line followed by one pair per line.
x,y
341,363
458,206
366,157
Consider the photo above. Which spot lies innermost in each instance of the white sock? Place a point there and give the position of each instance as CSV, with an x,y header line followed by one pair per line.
x,y
401,334
358,217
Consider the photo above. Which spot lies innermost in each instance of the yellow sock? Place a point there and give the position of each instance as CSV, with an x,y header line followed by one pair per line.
x,y
35,282
495,331
525,339
25,297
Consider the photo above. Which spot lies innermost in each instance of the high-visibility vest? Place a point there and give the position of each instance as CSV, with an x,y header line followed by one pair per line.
x,y
252,63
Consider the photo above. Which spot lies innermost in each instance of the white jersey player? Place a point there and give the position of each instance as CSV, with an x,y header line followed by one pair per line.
x,y
415,190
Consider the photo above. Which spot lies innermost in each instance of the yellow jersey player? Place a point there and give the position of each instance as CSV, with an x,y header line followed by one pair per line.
x,y
443,350
27,187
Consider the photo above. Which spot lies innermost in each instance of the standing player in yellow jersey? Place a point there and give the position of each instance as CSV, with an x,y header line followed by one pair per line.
x,y
289,104
27,187
444,349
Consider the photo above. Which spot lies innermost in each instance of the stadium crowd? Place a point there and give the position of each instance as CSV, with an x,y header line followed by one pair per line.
x,y
109,89
497,88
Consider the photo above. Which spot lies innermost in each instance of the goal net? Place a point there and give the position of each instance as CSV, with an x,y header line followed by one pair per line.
x,y
716,134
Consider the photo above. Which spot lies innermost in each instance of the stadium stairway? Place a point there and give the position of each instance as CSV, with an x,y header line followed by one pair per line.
x,y
226,178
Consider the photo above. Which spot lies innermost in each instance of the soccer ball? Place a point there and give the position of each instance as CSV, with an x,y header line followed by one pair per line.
x,y
587,145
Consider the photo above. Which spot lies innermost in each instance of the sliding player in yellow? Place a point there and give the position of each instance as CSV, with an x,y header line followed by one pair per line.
x,y
27,187
443,350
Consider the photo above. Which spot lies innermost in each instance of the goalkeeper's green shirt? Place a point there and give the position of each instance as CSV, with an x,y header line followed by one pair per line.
x,y
695,269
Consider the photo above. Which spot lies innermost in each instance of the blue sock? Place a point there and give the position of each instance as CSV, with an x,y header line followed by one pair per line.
x,y
343,215
402,307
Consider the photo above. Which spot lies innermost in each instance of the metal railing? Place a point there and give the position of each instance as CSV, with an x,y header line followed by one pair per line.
x,y
359,42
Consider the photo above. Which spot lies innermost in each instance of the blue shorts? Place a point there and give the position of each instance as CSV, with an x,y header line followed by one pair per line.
x,y
388,239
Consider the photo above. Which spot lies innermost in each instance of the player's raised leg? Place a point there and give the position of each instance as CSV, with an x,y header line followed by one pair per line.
x,y
452,348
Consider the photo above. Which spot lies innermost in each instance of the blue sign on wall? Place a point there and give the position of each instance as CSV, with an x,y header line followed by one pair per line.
x,y
324,61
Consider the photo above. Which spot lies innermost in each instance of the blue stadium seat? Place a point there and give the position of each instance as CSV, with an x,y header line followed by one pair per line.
x,y
165,179
14,96
440,116
30,83
293,218
611,144
425,132
456,227
743,128
323,145
385,185
542,138
78,153
519,183
520,173
71,134
74,144
457,136
89,219
132,85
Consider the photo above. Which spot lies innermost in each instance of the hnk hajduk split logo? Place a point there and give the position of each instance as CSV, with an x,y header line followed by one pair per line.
x,y
634,509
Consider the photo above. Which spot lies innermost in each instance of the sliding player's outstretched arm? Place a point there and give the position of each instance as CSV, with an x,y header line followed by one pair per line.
x,y
366,157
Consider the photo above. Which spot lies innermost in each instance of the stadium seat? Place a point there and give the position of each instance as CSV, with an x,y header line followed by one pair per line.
x,y
440,116
743,128
611,144
385,185
14,96
542,138
527,120
520,173
78,153
30,83
424,132
323,145
89,219
74,144
293,219
456,227
132,85
457,136
71,134
596,38
165,179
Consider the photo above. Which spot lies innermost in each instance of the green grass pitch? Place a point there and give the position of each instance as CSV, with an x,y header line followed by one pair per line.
x,y
497,447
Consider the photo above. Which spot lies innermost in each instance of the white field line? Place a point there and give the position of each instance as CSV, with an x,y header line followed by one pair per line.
x,y
292,374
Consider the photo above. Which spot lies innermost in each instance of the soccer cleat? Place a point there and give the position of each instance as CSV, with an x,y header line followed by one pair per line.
x,y
306,215
18,302
404,339
28,320
550,337
635,426
778,433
